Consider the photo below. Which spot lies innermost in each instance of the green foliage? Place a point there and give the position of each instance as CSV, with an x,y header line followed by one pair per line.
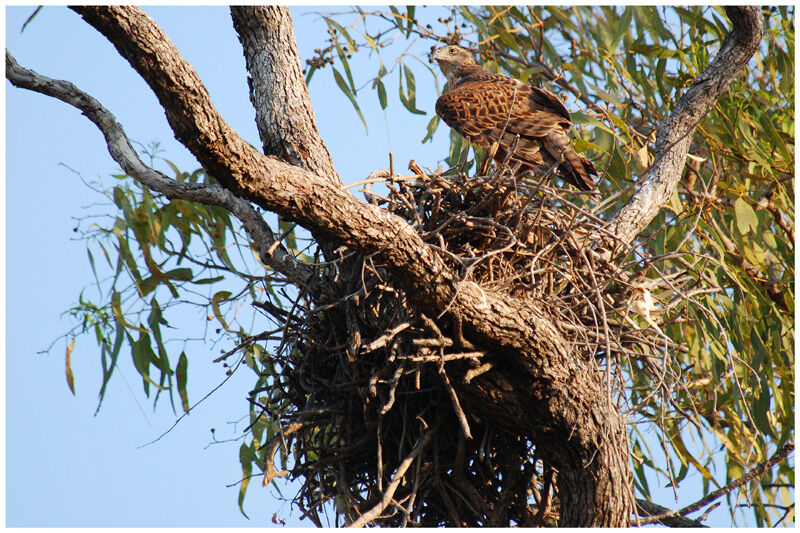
x,y
161,255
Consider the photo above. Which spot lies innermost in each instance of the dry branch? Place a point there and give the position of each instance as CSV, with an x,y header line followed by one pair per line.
x,y
754,473
373,513
271,252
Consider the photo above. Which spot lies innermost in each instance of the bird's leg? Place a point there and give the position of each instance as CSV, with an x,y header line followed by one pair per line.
x,y
486,160
465,156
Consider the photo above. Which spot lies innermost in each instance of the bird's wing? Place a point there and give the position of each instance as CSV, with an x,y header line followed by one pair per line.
x,y
475,107
486,108
499,108
544,100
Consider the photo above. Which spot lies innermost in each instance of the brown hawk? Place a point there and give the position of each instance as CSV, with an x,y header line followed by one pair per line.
x,y
487,108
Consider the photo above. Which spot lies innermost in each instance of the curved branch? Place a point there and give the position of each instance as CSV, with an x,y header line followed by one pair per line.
x,y
284,115
674,134
123,153
297,194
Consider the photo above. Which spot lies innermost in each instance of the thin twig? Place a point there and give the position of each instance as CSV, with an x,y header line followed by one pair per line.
x,y
373,513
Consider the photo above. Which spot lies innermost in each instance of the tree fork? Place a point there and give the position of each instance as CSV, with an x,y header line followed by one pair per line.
x,y
284,115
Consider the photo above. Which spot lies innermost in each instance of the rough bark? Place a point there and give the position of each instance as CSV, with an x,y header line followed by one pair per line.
x,y
674,134
284,115
537,384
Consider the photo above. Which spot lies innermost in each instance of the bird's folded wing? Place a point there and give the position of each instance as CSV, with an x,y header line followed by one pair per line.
x,y
544,100
489,107
476,106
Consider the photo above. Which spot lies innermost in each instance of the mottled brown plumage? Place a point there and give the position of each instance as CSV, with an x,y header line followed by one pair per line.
x,y
487,107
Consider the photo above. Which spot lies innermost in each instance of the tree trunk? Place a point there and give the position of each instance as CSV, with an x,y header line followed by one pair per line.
x,y
284,115
563,406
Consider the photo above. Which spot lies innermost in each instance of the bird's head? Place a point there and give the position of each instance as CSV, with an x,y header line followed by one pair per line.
x,y
451,57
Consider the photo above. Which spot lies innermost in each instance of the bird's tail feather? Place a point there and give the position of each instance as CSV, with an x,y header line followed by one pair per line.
x,y
574,168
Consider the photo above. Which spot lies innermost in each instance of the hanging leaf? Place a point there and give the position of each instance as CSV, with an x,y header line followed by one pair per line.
x,y
346,65
181,375
70,377
346,90
246,460
381,93
746,218
218,298
409,99
432,125
410,15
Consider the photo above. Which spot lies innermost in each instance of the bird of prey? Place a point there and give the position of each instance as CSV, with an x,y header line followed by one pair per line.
x,y
489,108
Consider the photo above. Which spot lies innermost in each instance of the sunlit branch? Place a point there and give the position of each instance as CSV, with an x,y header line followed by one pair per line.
x,y
674,134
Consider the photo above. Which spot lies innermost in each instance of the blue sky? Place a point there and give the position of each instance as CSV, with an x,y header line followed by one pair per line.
x,y
64,466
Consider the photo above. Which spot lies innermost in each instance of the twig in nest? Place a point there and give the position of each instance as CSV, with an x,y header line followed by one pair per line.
x,y
380,454
446,357
472,373
413,167
464,343
272,446
468,493
410,507
373,513
394,382
462,418
443,492
384,339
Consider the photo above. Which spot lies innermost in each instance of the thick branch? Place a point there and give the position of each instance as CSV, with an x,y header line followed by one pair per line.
x,y
284,116
123,153
675,133
297,194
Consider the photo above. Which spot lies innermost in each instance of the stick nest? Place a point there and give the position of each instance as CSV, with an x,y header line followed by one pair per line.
x,y
368,411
